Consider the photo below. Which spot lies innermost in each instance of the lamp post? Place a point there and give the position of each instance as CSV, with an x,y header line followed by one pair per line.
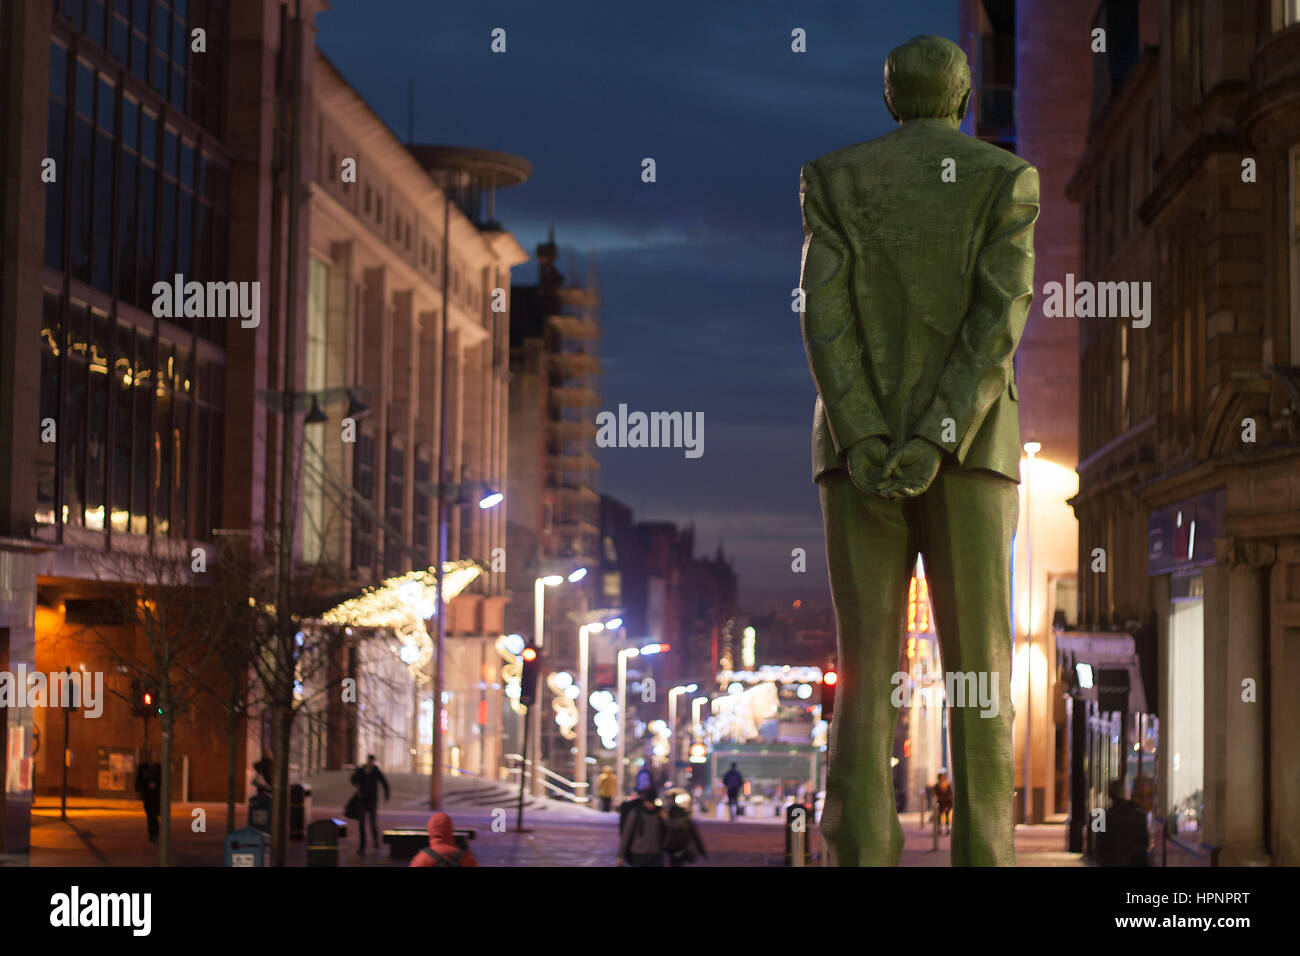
x,y
1031,448
489,497
539,635
696,704
584,643
673,694
623,656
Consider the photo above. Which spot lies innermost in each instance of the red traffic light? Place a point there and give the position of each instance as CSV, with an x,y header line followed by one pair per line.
x,y
148,699
529,654
830,677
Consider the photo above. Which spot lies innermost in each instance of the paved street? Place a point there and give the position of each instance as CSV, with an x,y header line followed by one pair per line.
x,y
112,833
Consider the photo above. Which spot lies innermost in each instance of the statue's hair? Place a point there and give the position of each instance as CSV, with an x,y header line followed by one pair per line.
x,y
926,77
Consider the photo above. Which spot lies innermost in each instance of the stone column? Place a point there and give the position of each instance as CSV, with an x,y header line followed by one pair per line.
x,y
1244,766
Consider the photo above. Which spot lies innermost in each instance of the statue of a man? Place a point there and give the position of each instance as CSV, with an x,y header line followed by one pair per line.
x,y
918,268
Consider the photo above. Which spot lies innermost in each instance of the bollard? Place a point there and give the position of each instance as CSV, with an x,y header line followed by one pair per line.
x,y
797,845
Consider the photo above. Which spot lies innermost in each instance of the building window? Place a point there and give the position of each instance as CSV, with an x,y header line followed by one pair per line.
x,y
363,480
1286,13
394,505
420,506
313,471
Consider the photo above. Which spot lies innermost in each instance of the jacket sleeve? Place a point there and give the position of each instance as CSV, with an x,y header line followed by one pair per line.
x,y
830,328
625,839
979,367
384,780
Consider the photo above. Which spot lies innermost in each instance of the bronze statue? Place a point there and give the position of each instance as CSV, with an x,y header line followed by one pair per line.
x,y
918,267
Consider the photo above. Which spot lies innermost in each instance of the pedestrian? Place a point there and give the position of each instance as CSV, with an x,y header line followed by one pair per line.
x,y
733,781
262,773
644,781
1124,840
943,801
641,841
367,779
442,849
148,785
606,786
681,835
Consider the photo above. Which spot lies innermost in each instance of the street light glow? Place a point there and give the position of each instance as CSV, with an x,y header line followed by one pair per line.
x,y
614,624
654,649
551,580
577,575
491,499
1033,447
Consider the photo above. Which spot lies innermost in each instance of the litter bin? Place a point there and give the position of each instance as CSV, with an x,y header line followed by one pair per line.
x,y
323,838
246,847
259,812
299,810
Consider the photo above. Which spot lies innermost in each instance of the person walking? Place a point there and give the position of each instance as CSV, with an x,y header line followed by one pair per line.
x,y
682,840
641,841
1124,840
148,785
943,801
368,778
442,849
606,786
733,781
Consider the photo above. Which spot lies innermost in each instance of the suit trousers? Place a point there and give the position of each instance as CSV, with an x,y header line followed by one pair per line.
x,y
962,526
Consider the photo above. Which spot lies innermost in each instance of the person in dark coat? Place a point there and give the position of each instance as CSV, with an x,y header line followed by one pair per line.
x,y
733,781
368,778
148,785
442,849
641,840
682,840
1124,841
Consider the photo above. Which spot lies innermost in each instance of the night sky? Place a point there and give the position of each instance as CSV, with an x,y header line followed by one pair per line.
x,y
696,269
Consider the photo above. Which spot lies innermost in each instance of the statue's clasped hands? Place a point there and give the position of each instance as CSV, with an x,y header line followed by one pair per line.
x,y
903,471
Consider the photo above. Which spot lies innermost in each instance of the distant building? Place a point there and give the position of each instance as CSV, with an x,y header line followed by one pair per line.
x,y
375,273
553,497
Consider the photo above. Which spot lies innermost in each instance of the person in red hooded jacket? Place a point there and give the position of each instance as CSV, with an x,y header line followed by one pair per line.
x,y
442,849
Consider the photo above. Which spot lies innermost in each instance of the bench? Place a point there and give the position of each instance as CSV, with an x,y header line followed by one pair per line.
x,y
405,842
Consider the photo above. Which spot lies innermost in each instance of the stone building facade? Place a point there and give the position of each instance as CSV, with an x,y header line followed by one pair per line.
x,y
1189,446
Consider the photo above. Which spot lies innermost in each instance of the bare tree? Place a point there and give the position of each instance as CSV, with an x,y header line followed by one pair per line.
x,y
176,618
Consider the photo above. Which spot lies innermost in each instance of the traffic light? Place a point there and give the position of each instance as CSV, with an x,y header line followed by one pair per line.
x,y
144,700
528,679
830,679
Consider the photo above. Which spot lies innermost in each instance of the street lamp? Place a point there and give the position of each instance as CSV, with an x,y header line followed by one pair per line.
x,y
584,642
695,709
540,585
447,495
623,656
672,724
1031,448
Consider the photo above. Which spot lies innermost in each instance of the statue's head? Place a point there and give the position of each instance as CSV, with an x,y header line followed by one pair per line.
x,y
927,78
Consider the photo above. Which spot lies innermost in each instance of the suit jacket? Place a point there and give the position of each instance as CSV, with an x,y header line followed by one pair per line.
x,y
916,293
